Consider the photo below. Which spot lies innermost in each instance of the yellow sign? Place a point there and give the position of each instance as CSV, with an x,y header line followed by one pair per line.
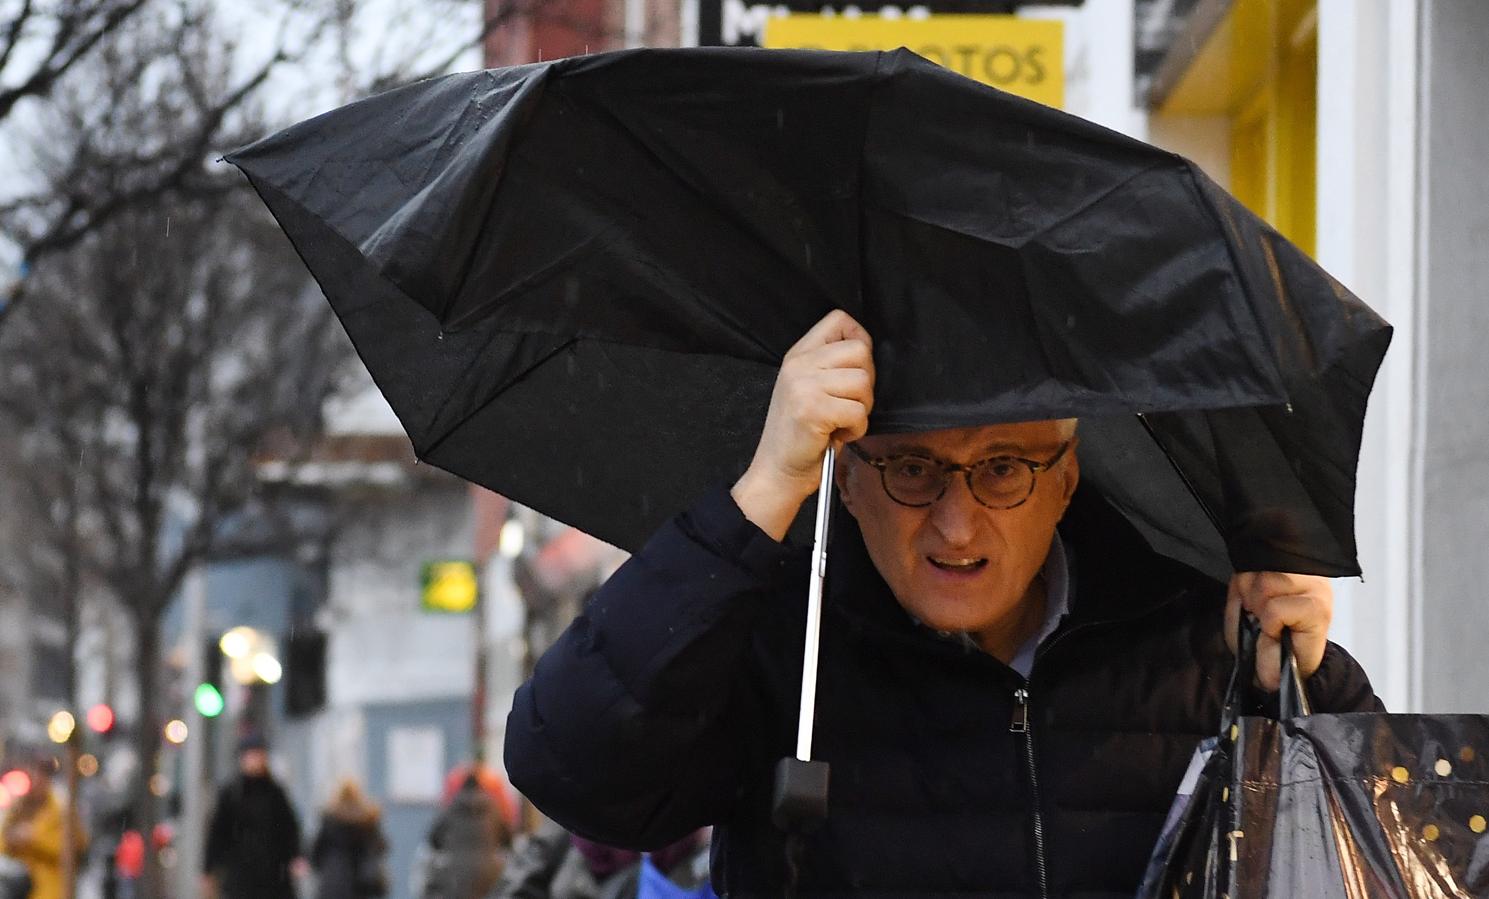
x,y
1021,56
449,586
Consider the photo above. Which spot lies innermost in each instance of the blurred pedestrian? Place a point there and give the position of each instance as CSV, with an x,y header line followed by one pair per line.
x,y
129,863
253,841
31,832
349,849
466,848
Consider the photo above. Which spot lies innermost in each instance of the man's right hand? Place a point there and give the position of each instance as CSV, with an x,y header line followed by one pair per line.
x,y
823,396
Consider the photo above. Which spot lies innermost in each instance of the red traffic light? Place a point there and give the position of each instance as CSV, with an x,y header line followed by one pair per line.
x,y
16,783
101,719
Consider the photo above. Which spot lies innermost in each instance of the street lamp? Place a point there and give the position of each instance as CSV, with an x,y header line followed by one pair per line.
x,y
61,727
267,668
238,642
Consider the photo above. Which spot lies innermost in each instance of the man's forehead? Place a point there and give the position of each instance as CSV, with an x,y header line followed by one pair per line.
x,y
1017,437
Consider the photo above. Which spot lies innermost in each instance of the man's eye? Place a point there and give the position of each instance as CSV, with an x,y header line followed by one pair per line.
x,y
1003,468
912,468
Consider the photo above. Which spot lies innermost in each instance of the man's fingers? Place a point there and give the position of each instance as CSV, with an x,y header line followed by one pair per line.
x,y
849,384
836,326
848,419
1258,586
1300,603
1302,613
841,354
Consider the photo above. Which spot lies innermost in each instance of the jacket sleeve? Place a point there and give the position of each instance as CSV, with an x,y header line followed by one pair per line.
x,y
634,729
1340,685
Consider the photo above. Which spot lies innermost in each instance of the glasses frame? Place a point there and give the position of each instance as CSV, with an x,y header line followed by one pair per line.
x,y
950,468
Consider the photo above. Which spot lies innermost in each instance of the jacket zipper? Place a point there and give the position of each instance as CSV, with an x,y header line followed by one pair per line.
x,y
1020,725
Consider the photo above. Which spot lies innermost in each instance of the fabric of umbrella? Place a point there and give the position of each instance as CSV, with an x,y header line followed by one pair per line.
x,y
574,282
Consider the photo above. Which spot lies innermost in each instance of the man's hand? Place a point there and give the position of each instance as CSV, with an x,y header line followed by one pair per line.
x,y
823,395
1301,603
299,868
208,886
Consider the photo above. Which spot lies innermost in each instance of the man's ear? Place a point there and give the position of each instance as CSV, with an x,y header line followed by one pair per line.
x,y
840,480
1072,472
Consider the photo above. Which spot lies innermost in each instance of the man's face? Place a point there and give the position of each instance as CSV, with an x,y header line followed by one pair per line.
x,y
254,762
957,565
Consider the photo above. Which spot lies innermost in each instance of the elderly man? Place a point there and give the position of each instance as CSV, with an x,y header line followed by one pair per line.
x,y
1011,683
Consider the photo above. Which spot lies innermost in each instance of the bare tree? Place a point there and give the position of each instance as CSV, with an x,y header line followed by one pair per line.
x,y
41,41
91,182
168,344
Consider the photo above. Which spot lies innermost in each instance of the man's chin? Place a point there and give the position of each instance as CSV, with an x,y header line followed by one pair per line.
x,y
949,620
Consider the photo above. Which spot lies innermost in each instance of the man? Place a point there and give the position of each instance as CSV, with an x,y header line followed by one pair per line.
x,y
253,842
1011,681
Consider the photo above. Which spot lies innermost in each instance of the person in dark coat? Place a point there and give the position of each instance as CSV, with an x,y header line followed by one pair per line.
x,y
466,848
253,841
1012,682
348,849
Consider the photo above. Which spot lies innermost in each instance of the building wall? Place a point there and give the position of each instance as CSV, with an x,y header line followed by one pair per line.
x,y
1454,431
384,647
1367,238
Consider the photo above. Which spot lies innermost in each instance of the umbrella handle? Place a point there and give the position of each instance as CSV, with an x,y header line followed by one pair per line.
x,y
814,610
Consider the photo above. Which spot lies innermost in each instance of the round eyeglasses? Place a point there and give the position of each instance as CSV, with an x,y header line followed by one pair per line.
x,y
998,482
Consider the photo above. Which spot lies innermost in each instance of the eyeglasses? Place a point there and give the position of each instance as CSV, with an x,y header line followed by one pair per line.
x,y
998,482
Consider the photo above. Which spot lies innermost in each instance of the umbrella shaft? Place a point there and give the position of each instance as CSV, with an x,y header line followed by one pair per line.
x,y
814,609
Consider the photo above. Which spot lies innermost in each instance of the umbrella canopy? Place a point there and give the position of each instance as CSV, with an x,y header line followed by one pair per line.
x,y
574,282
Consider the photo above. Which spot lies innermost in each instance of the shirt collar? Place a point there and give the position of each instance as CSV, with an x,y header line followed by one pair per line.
x,y
1056,573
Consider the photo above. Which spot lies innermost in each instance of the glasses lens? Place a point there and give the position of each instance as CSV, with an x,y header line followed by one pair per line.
x,y
1001,483
913,481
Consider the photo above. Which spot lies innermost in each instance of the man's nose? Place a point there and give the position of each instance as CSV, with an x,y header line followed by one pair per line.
x,y
955,514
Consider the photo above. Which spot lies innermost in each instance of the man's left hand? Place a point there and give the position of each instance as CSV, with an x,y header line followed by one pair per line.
x,y
1301,603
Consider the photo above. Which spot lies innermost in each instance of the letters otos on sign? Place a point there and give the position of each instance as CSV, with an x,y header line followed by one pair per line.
x,y
1021,56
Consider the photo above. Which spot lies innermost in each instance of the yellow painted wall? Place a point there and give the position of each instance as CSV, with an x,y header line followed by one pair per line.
x,y
1259,69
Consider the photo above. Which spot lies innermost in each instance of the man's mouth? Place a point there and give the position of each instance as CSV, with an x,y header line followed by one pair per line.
x,y
958,564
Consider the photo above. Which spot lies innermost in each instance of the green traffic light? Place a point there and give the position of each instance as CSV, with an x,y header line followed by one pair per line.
x,y
208,701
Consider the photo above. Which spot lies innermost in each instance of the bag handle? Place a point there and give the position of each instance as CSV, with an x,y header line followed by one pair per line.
x,y
1292,698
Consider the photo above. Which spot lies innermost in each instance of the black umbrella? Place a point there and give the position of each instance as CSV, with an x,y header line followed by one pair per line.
x,y
574,281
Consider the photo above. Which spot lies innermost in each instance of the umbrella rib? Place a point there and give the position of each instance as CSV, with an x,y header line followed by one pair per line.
x,y
1188,484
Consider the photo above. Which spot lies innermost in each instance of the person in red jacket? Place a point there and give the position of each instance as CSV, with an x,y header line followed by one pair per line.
x,y
1011,680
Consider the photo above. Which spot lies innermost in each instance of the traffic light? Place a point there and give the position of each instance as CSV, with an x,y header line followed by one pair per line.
x,y
207,695
304,672
208,700
100,718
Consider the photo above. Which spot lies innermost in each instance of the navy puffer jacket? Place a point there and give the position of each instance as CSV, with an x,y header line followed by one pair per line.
x,y
666,706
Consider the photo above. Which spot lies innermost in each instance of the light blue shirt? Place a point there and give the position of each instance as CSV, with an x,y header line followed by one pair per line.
x,y
1056,605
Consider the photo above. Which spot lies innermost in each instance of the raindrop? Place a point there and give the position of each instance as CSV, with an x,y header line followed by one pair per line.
x,y
441,336
167,226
